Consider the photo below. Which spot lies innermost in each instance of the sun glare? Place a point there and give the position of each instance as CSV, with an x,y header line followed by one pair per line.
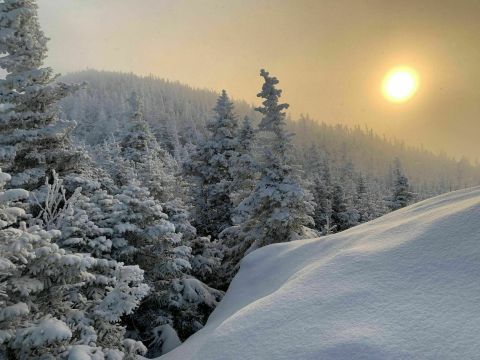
x,y
400,84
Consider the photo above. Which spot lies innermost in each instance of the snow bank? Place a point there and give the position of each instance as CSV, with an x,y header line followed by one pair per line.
x,y
404,286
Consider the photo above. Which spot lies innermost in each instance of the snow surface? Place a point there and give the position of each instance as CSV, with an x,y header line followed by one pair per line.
x,y
404,286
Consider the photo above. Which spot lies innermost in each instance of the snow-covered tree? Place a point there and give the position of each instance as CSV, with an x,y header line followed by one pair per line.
x,y
211,169
402,194
56,302
78,217
161,174
151,227
33,140
279,208
320,185
244,167
109,157
370,202
344,213
141,221
139,136
173,310
138,154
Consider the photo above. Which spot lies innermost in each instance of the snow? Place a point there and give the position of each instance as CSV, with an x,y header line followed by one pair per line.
x,y
84,352
404,286
48,331
12,311
27,285
167,335
14,195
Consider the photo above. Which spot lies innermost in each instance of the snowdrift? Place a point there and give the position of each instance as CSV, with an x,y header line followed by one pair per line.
x,y
405,286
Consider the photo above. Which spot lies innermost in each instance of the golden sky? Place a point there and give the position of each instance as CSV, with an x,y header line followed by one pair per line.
x,y
330,55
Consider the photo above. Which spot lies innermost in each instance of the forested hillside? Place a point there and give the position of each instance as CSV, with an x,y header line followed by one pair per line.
x,y
172,109
178,115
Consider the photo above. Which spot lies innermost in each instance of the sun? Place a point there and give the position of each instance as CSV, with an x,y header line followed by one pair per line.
x,y
400,84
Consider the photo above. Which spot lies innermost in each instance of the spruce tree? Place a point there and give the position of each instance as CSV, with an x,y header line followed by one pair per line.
x,y
139,137
278,209
178,303
321,189
339,208
58,302
402,194
211,169
244,166
33,140
154,231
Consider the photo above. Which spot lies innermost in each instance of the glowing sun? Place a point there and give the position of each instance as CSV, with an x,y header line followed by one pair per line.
x,y
400,84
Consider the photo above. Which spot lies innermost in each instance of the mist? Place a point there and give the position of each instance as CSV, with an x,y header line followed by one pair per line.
x,y
330,56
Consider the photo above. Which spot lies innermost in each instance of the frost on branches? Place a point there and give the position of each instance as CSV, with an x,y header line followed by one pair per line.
x,y
56,302
139,138
401,194
32,138
178,304
279,208
244,166
211,169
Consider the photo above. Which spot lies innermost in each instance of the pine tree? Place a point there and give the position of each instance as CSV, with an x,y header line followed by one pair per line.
x,y
152,228
369,202
165,317
339,209
139,137
56,302
33,140
278,203
344,213
322,196
211,169
401,192
244,168
139,155
320,185
109,157
279,208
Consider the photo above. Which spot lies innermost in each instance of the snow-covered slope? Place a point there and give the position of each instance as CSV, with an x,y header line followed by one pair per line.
x,y
405,286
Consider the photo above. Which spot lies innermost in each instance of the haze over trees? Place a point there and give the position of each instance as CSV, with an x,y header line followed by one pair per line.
x,y
128,203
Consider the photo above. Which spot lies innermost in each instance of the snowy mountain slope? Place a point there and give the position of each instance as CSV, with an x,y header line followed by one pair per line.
x,y
405,286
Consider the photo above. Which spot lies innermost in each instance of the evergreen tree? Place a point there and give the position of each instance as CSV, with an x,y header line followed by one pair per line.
x,y
139,137
178,304
140,155
211,169
109,157
57,302
244,167
370,202
320,185
152,228
339,209
401,192
33,140
322,196
279,208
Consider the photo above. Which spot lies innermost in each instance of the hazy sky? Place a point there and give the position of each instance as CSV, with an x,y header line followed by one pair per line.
x,y
330,55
